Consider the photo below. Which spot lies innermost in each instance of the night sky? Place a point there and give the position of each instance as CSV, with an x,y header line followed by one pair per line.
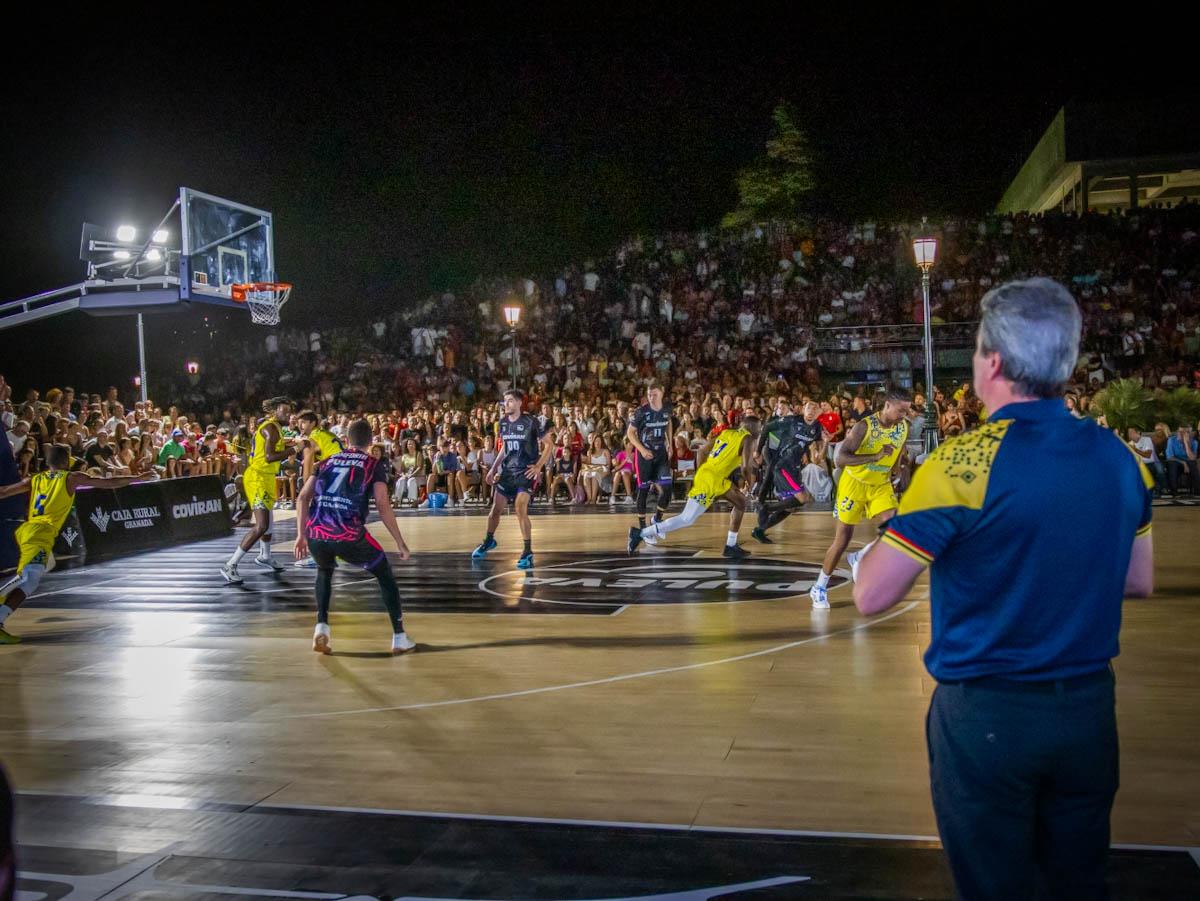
x,y
413,154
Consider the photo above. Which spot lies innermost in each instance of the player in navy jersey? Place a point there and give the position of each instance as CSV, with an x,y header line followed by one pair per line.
x,y
332,523
796,433
523,453
652,433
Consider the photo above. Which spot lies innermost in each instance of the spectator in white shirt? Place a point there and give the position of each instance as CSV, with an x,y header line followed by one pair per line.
x,y
1144,448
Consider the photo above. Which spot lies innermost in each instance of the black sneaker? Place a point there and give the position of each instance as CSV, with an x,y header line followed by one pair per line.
x,y
635,538
760,536
733,552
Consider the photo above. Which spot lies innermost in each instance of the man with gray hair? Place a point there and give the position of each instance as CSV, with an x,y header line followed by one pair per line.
x,y
1022,727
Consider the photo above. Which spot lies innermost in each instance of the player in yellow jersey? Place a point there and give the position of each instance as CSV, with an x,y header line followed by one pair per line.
x,y
319,445
268,449
868,457
730,450
51,496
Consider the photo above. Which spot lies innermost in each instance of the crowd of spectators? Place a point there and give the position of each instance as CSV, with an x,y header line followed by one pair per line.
x,y
729,321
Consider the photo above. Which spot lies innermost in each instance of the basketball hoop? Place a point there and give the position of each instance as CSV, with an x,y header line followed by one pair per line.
x,y
263,298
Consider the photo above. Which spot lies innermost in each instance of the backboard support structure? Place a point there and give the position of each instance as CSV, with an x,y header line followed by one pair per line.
x,y
221,243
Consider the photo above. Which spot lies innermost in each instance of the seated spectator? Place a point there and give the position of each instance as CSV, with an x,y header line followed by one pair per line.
x,y
1181,461
594,469
410,474
563,470
1144,448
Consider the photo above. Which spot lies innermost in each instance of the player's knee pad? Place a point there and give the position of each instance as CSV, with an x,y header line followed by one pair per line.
x,y
692,511
28,579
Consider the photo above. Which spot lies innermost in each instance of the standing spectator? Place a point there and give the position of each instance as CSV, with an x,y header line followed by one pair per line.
x,y
1022,726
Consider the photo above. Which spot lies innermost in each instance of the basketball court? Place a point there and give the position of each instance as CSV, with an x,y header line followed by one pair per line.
x,y
602,726
667,726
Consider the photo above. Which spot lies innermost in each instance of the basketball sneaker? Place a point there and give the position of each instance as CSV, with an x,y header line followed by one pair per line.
x,y
402,644
486,545
760,536
307,563
268,562
7,637
635,538
734,552
322,639
820,597
651,540
526,561
230,572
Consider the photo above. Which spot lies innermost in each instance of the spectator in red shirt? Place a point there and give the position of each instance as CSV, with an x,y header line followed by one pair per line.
x,y
830,421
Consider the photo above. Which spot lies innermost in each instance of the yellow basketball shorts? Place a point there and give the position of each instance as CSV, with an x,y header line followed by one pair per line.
x,y
706,488
35,540
857,501
260,490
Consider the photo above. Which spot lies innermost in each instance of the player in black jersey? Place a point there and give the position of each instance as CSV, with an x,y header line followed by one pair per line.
x,y
775,433
652,433
796,433
522,454
332,524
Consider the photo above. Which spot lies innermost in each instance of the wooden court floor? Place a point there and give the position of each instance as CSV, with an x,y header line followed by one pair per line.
x,y
613,690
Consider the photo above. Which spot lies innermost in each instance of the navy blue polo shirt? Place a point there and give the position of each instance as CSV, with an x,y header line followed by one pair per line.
x,y
1028,523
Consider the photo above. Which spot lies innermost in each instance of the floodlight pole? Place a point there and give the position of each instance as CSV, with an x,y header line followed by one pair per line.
x,y
142,356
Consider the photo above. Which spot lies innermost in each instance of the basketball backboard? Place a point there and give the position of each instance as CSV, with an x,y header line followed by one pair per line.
x,y
222,243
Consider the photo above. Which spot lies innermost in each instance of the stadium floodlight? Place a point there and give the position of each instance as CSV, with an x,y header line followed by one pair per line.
x,y
121,254
512,314
126,233
161,236
925,252
153,255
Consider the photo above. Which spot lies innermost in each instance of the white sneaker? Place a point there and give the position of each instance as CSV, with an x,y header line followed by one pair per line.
x,y
230,573
423,505
653,540
852,558
322,639
268,563
306,563
612,500
402,644
820,598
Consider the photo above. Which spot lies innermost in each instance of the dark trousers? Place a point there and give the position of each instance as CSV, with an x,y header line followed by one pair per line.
x,y
1182,474
1023,784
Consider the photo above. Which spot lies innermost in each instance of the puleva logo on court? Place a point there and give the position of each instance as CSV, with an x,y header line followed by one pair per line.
x,y
682,579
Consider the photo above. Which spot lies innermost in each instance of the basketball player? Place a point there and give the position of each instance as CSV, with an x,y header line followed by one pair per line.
x,y
268,449
797,434
51,496
332,523
523,453
776,432
732,449
320,444
653,436
868,456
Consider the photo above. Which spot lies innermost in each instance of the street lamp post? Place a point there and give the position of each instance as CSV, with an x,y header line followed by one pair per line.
x,y
512,315
925,253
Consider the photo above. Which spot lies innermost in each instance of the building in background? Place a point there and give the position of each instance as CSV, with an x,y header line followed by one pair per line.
x,y
1109,157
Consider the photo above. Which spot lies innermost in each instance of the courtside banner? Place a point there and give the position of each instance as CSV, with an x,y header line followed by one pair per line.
x,y
150,515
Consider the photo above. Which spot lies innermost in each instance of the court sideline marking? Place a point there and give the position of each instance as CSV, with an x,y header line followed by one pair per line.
x,y
426,705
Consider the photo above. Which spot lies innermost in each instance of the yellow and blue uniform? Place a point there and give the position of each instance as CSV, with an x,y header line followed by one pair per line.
x,y
326,443
712,478
865,491
995,512
50,503
259,479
